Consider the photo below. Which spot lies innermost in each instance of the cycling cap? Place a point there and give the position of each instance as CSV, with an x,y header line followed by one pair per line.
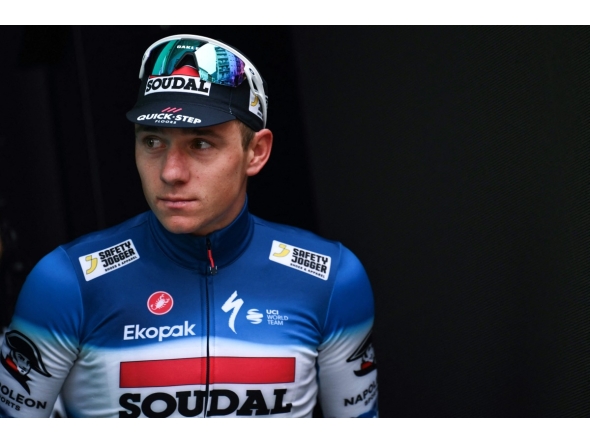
x,y
192,81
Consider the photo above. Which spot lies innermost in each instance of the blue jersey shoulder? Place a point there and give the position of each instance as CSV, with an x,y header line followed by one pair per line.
x,y
51,295
351,299
106,235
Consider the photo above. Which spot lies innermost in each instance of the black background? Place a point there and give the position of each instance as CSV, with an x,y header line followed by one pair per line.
x,y
453,160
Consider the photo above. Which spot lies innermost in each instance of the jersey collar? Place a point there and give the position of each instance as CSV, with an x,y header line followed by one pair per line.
x,y
190,251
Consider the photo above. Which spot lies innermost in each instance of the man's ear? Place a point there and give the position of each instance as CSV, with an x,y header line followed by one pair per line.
x,y
259,151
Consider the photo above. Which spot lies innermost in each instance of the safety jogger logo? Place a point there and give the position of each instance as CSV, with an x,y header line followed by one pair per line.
x,y
310,262
104,261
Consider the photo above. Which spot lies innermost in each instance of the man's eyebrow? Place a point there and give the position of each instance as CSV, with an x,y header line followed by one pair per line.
x,y
147,129
158,129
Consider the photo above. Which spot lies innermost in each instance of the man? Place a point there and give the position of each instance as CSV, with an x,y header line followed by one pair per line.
x,y
197,308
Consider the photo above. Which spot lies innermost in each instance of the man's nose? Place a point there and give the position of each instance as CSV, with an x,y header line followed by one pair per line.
x,y
175,166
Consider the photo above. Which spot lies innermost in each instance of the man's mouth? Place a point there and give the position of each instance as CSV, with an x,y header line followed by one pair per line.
x,y
175,202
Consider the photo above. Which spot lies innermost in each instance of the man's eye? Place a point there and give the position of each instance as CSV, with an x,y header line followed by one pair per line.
x,y
201,144
152,142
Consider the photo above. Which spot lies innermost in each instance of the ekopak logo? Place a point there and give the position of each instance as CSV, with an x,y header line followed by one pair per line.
x,y
160,303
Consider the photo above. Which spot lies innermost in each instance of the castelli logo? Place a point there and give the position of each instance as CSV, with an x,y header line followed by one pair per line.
x,y
160,303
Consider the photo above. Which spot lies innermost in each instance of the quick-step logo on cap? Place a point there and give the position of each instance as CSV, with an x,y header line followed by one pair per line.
x,y
104,261
316,264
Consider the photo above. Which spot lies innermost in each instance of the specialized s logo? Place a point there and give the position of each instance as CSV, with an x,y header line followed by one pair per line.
x,y
104,261
19,356
366,354
234,305
309,262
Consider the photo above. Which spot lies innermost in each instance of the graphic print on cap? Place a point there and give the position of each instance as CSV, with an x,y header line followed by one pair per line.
x,y
207,82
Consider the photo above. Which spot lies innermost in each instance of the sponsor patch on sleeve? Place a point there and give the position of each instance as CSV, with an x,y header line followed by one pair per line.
x,y
110,259
316,264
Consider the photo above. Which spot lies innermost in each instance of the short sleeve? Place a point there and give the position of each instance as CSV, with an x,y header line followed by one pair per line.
x,y
41,343
347,368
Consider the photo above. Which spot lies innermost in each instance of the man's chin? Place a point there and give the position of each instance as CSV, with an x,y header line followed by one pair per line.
x,y
178,224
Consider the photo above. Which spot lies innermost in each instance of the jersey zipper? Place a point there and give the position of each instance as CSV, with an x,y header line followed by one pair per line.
x,y
211,271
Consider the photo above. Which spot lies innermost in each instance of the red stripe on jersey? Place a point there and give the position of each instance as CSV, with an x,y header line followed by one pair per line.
x,y
192,371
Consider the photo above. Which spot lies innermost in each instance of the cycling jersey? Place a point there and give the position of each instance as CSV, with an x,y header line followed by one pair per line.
x,y
257,320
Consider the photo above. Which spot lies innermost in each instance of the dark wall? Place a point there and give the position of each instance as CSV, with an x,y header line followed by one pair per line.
x,y
452,160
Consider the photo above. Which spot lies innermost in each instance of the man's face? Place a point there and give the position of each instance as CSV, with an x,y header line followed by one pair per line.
x,y
194,180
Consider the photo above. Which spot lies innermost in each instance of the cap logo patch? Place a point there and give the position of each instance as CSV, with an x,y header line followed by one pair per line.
x,y
254,105
178,83
169,117
316,264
